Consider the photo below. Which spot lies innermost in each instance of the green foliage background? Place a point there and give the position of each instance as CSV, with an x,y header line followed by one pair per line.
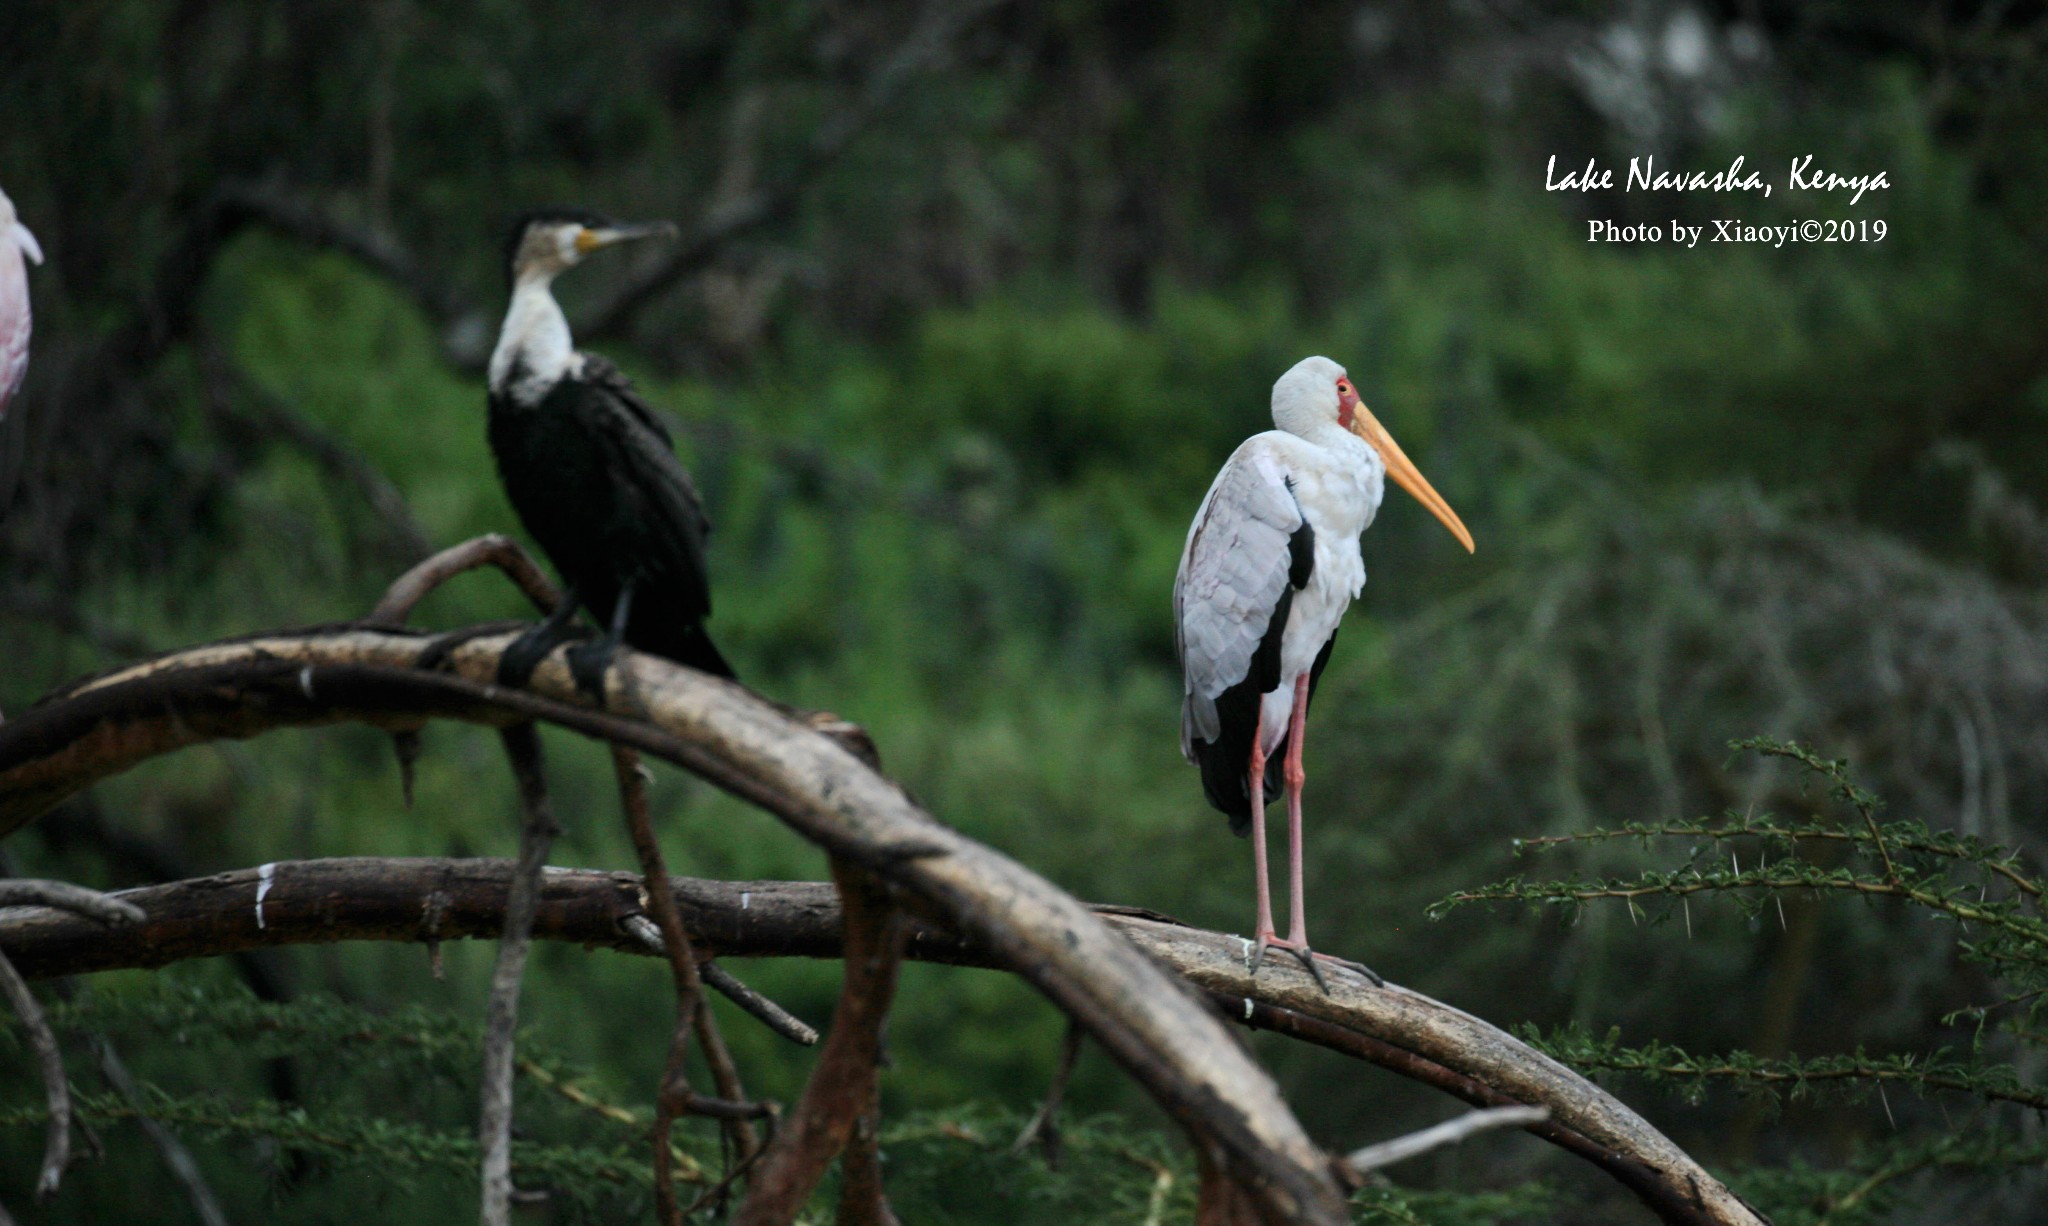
x,y
951,419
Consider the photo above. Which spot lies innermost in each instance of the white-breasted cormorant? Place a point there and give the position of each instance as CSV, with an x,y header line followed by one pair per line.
x,y
591,471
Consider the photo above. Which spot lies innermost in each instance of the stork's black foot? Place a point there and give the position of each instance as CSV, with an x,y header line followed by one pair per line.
x,y
515,667
1307,958
1310,960
588,663
1361,968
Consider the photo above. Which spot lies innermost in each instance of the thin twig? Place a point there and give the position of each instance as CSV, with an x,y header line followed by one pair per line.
x,y
770,1014
1450,1132
725,1074
1044,1127
537,831
268,416
35,892
176,1157
672,1099
491,549
56,1091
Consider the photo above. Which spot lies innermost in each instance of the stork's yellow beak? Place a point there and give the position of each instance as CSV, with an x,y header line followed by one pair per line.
x,y
589,240
1403,470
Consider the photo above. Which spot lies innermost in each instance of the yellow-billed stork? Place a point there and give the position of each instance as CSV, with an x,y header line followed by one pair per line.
x,y
1271,563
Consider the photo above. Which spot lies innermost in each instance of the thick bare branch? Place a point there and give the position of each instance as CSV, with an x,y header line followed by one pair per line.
x,y
1131,1006
1138,1012
862,1201
842,1087
383,899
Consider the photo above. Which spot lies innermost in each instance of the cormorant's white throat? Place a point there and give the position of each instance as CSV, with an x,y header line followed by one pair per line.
x,y
534,350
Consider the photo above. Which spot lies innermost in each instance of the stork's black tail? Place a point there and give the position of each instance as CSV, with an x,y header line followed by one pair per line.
x,y
1226,762
1226,773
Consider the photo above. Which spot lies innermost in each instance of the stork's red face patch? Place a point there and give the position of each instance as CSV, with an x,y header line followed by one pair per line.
x,y
1347,403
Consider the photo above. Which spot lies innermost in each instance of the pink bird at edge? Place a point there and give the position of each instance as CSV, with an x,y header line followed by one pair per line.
x,y
15,243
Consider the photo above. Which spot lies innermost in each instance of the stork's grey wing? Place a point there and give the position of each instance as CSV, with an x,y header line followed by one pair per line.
x,y
1242,554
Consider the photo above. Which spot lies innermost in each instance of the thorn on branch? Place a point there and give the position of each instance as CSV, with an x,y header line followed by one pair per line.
x,y
406,747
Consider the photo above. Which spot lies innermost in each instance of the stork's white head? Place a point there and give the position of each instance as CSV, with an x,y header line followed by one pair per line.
x,y
1316,394
13,233
1310,397
548,242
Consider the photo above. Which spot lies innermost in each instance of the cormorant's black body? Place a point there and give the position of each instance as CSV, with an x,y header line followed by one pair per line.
x,y
592,474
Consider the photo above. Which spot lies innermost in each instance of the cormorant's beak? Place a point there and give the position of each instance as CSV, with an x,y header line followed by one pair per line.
x,y
1403,470
589,240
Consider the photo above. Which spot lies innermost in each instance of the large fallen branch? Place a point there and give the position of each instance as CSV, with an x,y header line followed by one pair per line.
x,y
1139,1013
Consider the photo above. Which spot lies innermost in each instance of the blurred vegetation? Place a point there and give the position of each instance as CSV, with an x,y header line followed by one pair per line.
x,y
952,409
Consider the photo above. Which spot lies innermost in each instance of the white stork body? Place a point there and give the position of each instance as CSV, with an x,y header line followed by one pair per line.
x,y
1271,564
1334,484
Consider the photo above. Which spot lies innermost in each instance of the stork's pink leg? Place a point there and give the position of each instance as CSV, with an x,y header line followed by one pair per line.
x,y
1297,729
1257,793
1296,941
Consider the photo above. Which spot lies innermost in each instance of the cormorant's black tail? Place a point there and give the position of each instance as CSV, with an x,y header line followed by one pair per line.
x,y
689,646
699,652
